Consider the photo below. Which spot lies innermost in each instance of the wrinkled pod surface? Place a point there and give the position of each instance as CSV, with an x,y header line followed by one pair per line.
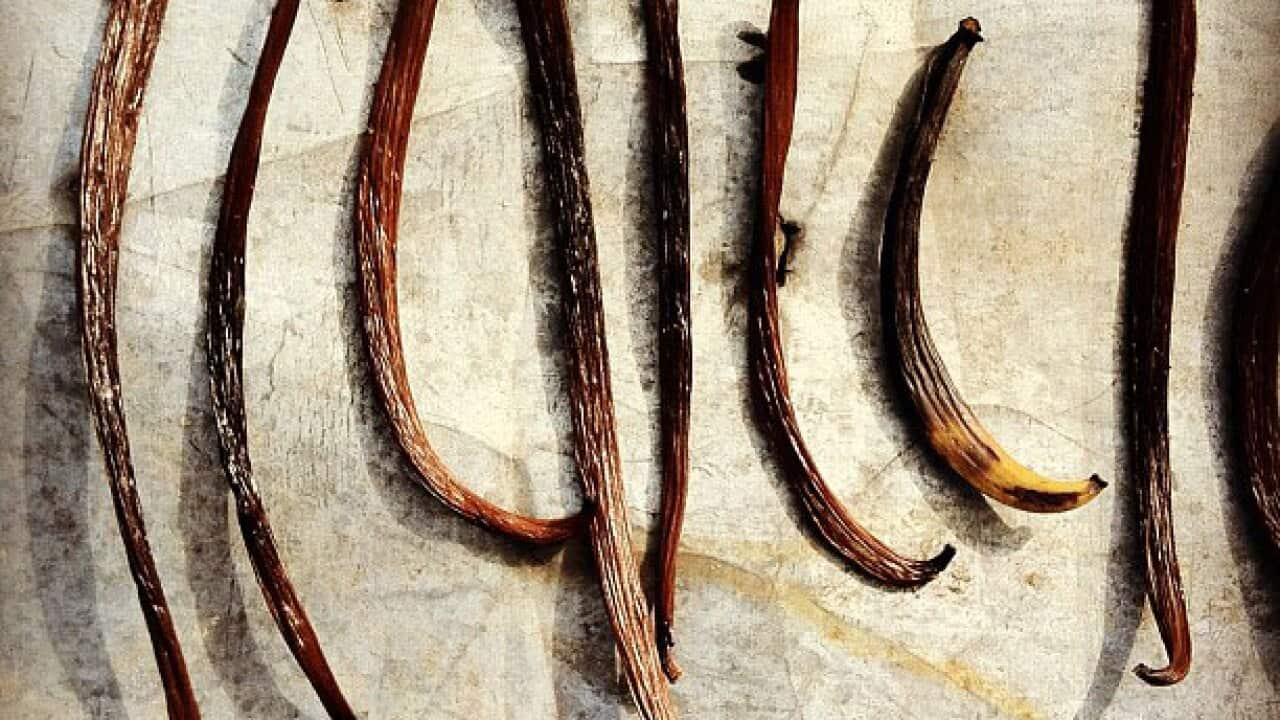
x,y
1153,239
951,427
377,212
1256,355
106,156
832,519
225,308
544,27
669,128
545,31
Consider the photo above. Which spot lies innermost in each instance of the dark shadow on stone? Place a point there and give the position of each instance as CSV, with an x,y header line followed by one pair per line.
x,y
57,469
1257,563
499,18
962,507
204,500
640,244
204,503
1126,565
582,649
57,431
744,151
586,680
743,102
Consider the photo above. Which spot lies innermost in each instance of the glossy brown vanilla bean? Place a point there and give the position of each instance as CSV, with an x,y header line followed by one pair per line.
x,y
225,308
670,133
377,212
769,370
106,155
951,427
549,48
1153,238
1256,356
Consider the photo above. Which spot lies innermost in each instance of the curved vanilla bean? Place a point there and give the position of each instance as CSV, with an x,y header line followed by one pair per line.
x,y
670,132
106,156
549,47
1257,361
769,370
225,338
951,427
376,218
1153,239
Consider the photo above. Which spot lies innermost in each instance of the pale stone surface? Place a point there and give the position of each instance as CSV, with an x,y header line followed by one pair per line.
x,y
424,616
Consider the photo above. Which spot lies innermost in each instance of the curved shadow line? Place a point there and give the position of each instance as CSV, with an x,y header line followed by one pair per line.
x,y
204,520
1126,565
55,451
1256,562
743,100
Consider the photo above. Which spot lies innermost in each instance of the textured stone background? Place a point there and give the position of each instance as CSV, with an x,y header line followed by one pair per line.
x,y
424,616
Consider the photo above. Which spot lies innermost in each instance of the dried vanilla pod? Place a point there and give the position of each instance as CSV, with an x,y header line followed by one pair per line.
x,y
376,226
670,137
951,427
769,371
544,26
1256,361
1153,239
225,338
106,156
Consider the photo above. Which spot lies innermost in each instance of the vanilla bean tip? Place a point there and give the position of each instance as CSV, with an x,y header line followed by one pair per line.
x,y
942,559
1161,677
971,27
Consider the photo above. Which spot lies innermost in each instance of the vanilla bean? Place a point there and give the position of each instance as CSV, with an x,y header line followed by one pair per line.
x,y
225,337
106,156
377,213
548,44
951,427
1153,237
669,128
1256,356
769,371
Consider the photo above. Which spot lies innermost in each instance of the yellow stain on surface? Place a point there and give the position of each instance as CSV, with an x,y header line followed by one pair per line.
x,y
856,641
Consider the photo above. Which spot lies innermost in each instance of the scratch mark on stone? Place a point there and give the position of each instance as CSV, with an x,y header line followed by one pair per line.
x,y
328,63
151,170
233,54
883,469
342,45
1037,421
271,364
1110,389
842,136
26,91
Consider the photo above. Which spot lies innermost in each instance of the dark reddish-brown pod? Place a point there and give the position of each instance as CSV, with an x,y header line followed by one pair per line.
x,y
952,429
1256,357
225,308
377,212
768,367
106,156
1153,239
544,26
669,128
